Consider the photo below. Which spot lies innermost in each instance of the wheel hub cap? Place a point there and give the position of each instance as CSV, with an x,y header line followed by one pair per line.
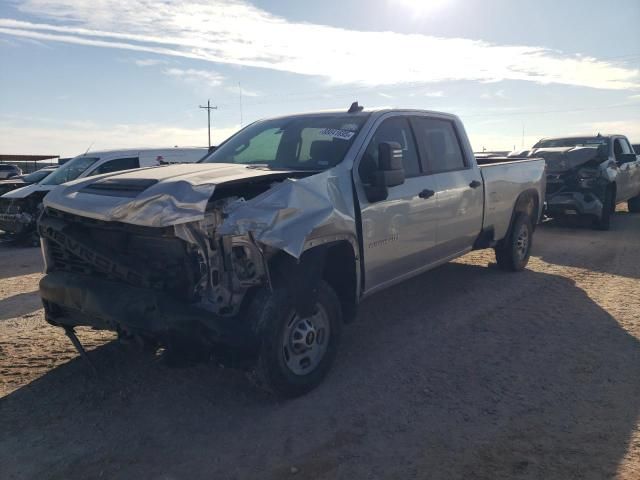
x,y
305,341
522,242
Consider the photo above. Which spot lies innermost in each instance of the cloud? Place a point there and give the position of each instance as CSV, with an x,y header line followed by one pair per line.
x,y
196,77
149,62
238,33
497,94
70,139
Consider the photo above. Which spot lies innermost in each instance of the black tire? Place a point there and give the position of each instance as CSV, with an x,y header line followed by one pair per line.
x,y
274,318
608,207
512,253
633,204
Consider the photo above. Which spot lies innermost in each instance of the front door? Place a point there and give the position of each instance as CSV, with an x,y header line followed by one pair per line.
x,y
626,170
399,233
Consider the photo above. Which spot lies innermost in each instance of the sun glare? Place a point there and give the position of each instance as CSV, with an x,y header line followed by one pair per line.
x,y
422,7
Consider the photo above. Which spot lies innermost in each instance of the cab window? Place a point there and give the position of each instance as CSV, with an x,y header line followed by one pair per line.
x,y
395,129
117,165
621,147
439,143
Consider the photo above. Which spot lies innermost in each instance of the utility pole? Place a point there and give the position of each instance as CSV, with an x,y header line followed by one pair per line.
x,y
240,89
209,108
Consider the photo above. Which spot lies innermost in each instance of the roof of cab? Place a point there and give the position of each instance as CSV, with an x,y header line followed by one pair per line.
x,y
131,151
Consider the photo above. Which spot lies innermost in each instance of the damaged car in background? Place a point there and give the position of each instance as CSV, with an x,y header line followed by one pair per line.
x,y
24,180
20,208
265,248
589,176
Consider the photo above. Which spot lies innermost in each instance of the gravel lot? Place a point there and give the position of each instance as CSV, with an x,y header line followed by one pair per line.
x,y
464,372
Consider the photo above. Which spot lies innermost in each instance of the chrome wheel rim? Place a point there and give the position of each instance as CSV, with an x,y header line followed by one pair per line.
x,y
522,242
305,341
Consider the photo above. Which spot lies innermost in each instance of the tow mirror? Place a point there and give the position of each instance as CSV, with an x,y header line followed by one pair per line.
x,y
389,173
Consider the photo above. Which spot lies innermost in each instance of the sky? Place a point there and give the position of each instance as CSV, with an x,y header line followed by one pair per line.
x,y
102,74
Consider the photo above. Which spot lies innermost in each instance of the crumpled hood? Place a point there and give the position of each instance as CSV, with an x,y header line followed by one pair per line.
x,y
562,159
153,197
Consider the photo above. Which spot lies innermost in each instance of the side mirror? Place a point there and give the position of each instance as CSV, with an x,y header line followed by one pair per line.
x,y
390,171
626,158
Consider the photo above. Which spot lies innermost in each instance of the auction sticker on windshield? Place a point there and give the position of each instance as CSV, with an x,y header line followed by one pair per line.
x,y
336,133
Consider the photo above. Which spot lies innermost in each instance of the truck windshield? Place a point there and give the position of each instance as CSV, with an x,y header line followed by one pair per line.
x,y
302,143
69,171
35,177
572,142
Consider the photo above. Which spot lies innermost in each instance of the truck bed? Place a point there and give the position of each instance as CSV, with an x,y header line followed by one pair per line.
x,y
482,160
504,180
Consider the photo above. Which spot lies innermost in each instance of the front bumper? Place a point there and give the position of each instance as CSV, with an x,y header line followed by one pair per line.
x,y
573,203
72,299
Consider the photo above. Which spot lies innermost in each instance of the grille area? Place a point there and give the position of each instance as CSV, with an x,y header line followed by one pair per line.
x,y
140,256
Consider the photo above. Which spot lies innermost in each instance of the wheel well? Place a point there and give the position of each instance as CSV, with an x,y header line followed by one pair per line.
x,y
528,203
340,273
335,263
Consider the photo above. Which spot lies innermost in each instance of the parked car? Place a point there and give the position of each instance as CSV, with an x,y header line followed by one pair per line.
x,y
270,243
590,175
20,208
7,170
24,180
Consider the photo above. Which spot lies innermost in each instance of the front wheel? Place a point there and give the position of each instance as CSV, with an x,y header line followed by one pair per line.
x,y
512,254
296,352
608,207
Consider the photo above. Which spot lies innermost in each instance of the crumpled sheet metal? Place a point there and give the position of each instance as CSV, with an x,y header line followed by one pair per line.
x,y
563,159
183,202
161,205
285,216
180,194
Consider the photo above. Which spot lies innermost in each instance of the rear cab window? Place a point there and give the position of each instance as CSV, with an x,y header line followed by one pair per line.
x,y
117,165
439,145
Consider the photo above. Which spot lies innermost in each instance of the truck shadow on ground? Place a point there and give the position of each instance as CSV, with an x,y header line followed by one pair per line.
x,y
19,305
11,267
570,242
464,372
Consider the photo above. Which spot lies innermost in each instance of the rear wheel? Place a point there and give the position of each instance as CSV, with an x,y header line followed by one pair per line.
x,y
512,254
634,204
296,352
608,207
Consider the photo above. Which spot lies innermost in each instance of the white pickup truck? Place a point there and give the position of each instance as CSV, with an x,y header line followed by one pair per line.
x,y
268,245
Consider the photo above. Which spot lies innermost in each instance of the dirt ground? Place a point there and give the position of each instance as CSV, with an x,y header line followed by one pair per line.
x,y
464,372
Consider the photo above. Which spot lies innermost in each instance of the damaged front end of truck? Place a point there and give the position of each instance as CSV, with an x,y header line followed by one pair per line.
x,y
182,256
577,180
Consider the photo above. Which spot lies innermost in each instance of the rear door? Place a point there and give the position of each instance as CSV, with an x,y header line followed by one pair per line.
x,y
458,181
399,233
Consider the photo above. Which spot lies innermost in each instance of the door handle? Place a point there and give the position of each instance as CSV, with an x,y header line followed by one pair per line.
x,y
426,193
475,184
